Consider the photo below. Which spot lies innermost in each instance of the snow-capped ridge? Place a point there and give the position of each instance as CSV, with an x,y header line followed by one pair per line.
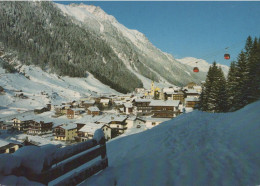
x,y
202,64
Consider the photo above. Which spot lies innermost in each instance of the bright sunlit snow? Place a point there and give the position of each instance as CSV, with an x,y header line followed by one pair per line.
x,y
193,149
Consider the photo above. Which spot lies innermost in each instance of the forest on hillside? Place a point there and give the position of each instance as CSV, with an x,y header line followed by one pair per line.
x,y
39,34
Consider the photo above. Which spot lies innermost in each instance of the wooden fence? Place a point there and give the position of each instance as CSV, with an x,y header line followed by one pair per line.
x,y
73,157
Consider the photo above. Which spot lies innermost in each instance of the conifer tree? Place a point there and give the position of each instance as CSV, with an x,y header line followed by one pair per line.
x,y
241,93
253,74
231,85
214,97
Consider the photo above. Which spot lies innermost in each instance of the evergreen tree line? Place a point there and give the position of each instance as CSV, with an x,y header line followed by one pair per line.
x,y
42,35
242,85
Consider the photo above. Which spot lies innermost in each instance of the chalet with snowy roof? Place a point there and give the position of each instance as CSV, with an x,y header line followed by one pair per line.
x,y
41,110
38,126
165,109
171,94
88,103
191,93
105,102
22,123
87,131
65,132
73,112
191,102
116,122
143,106
7,146
133,121
94,111
140,90
128,108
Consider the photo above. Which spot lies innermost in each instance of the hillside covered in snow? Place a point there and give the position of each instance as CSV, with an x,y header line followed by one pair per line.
x,y
197,148
40,88
72,40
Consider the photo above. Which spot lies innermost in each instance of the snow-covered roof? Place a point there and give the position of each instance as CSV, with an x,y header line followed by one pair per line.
x,y
170,103
118,102
109,118
132,118
26,118
104,101
155,119
3,143
78,109
89,101
93,109
69,126
191,99
90,127
89,118
143,100
128,105
191,91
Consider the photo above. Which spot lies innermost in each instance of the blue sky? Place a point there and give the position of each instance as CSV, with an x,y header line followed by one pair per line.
x,y
195,29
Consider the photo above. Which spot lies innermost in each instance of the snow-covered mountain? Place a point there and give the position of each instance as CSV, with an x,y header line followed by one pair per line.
x,y
75,39
197,148
139,55
202,64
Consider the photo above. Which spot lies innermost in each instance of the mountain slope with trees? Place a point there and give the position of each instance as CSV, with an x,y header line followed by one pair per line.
x,y
40,33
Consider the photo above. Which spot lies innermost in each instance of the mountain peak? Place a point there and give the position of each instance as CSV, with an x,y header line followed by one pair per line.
x,y
95,10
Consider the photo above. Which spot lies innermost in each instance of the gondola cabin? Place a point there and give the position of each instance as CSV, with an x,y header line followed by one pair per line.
x,y
227,56
196,69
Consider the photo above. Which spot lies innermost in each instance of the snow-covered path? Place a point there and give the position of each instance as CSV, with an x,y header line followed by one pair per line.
x,y
193,149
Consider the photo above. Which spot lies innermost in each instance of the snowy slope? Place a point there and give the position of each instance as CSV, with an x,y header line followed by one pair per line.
x,y
193,149
59,89
202,64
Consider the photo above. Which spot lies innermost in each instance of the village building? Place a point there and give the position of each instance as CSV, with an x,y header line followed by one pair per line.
x,y
142,106
133,121
73,112
7,146
191,102
88,103
165,109
128,108
116,122
41,110
140,90
191,93
152,122
87,131
105,102
65,132
94,111
38,126
21,123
